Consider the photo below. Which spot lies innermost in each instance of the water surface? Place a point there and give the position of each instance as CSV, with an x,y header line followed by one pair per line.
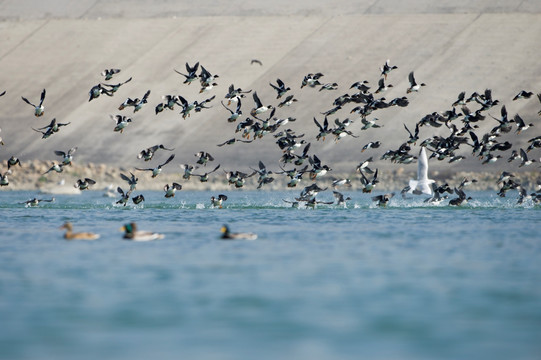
x,y
407,282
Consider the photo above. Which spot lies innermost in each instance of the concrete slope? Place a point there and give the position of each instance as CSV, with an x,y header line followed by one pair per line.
x,y
449,52
91,9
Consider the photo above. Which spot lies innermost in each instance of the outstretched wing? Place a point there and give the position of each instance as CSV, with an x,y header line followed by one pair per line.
x,y
26,101
42,97
169,160
256,100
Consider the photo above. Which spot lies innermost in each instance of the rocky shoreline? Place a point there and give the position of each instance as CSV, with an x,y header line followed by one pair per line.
x,y
30,176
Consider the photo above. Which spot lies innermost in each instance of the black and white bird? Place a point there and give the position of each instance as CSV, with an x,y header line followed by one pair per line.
x,y
323,129
131,180
39,109
460,100
521,125
4,181
138,199
148,153
462,199
50,129
55,167
96,91
414,86
121,122
205,177
387,68
191,73
311,80
382,87
523,94
188,170
36,201
67,157
158,169
280,88
171,189
204,158
264,175
217,201
341,200
318,169
207,80
234,114
290,99
108,73
13,161
383,200
84,184
259,107
113,88
524,158
369,184
371,145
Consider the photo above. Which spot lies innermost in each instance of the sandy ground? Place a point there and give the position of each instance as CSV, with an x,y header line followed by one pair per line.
x,y
63,46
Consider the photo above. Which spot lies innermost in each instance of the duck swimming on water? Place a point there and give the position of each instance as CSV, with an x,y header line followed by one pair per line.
x,y
36,201
228,235
70,235
131,233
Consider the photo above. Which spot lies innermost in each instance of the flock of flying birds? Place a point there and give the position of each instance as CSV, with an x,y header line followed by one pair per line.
x,y
297,161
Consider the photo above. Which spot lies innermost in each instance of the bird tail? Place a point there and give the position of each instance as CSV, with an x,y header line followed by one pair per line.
x,y
419,187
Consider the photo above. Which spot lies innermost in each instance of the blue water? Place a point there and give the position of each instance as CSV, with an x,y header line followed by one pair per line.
x,y
407,282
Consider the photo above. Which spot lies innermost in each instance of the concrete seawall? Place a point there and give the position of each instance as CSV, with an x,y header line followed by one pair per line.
x,y
63,47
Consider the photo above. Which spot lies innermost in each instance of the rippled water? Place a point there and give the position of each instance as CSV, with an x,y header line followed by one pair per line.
x,y
407,282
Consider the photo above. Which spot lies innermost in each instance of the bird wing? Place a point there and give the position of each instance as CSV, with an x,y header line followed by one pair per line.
x,y
422,165
125,178
409,132
26,101
228,109
169,160
256,100
523,155
42,97
411,79
192,69
518,120
318,124
183,100
216,168
504,112
145,96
